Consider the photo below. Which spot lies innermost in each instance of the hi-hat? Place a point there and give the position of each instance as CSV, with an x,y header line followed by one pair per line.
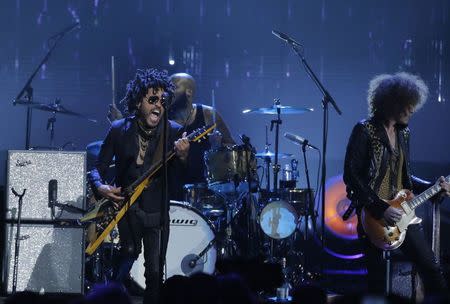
x,y
273,110
51,107
270,154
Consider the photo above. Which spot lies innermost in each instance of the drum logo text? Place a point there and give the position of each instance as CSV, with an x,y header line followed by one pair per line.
x,y
183,222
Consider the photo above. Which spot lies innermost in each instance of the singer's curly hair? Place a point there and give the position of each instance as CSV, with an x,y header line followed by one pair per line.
x,y
143,80
389,95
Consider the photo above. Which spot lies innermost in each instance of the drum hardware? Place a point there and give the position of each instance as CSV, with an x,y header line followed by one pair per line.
x,y
194,261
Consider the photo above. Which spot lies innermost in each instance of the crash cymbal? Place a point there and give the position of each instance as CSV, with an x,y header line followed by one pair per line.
x,y
267,154
55,107
273,110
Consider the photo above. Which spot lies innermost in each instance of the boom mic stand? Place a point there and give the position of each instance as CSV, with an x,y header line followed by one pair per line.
x,y
17,240
325,101
28,89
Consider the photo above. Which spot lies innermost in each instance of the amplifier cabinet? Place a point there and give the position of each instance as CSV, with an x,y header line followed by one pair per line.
x,y
51,258
35,171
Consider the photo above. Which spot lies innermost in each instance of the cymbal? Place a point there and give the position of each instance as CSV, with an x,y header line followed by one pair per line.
x,y
51,107
273,110
267,154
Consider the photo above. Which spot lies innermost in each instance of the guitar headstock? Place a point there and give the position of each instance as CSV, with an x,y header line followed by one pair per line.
x,y
201,133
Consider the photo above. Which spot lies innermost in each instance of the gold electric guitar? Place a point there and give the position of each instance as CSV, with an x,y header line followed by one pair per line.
x,y
388,237
106,215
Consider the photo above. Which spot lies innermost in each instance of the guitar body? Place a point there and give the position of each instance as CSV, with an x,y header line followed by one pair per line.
x,y
388,237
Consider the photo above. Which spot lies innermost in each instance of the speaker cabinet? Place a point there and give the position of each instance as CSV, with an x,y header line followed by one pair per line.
x,y
405,281
51,258
35,171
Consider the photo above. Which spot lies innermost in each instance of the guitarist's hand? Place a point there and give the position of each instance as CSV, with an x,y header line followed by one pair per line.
x,y
392,215
445,186
111,193
182,147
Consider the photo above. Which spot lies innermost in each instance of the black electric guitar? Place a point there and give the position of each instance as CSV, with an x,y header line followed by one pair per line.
x,y
106,214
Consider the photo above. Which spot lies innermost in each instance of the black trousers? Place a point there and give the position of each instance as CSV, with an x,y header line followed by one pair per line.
x,y
416,249
136,229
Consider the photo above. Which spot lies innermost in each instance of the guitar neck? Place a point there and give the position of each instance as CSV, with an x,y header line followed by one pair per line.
x,y
424,196
153,169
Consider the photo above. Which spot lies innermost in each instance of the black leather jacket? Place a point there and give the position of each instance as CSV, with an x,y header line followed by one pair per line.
x,y
366,161
122,144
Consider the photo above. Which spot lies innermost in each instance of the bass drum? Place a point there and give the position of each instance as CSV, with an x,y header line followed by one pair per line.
x,y
278,219
191,246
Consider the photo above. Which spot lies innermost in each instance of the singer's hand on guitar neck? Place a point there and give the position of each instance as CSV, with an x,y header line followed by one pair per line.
x,y
392,215
182,147
110,192
445,186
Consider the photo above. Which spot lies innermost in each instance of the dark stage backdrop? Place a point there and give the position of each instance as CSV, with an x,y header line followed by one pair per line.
x,y
228,47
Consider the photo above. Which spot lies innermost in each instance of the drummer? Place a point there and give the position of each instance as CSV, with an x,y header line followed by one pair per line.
x,y
193,116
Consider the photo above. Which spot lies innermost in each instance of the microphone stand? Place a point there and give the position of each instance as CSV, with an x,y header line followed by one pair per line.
x,y
17,240
248,207
309,200
28,89
277,122
325,101
164,201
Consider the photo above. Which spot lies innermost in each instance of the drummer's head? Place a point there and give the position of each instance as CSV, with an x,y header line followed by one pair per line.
x,y
184,89
147,95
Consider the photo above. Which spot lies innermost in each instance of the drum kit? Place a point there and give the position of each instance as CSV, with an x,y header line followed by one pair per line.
x,y
232,214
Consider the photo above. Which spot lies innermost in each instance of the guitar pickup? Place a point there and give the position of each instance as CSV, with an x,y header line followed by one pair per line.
x,y
406,207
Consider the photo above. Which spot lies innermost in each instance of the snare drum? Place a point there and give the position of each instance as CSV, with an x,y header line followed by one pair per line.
x,y
227,168
191,233
205,200
278,219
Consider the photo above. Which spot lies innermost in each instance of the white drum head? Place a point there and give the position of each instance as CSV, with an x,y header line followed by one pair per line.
x,y
190,234
278,219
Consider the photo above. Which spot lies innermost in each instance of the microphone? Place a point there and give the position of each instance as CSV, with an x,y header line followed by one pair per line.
x,y
52,196
66,30
285,38
166,100
52,192
299,140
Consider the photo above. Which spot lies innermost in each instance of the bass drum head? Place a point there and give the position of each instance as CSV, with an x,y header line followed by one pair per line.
x,y
278,219
190,234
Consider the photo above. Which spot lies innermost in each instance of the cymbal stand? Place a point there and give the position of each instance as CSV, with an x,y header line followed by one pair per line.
x,y
276,167
277,122
267,162
51,126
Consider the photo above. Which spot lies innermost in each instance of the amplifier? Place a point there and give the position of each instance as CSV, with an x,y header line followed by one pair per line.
x,y
39,171
51,258
406,281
